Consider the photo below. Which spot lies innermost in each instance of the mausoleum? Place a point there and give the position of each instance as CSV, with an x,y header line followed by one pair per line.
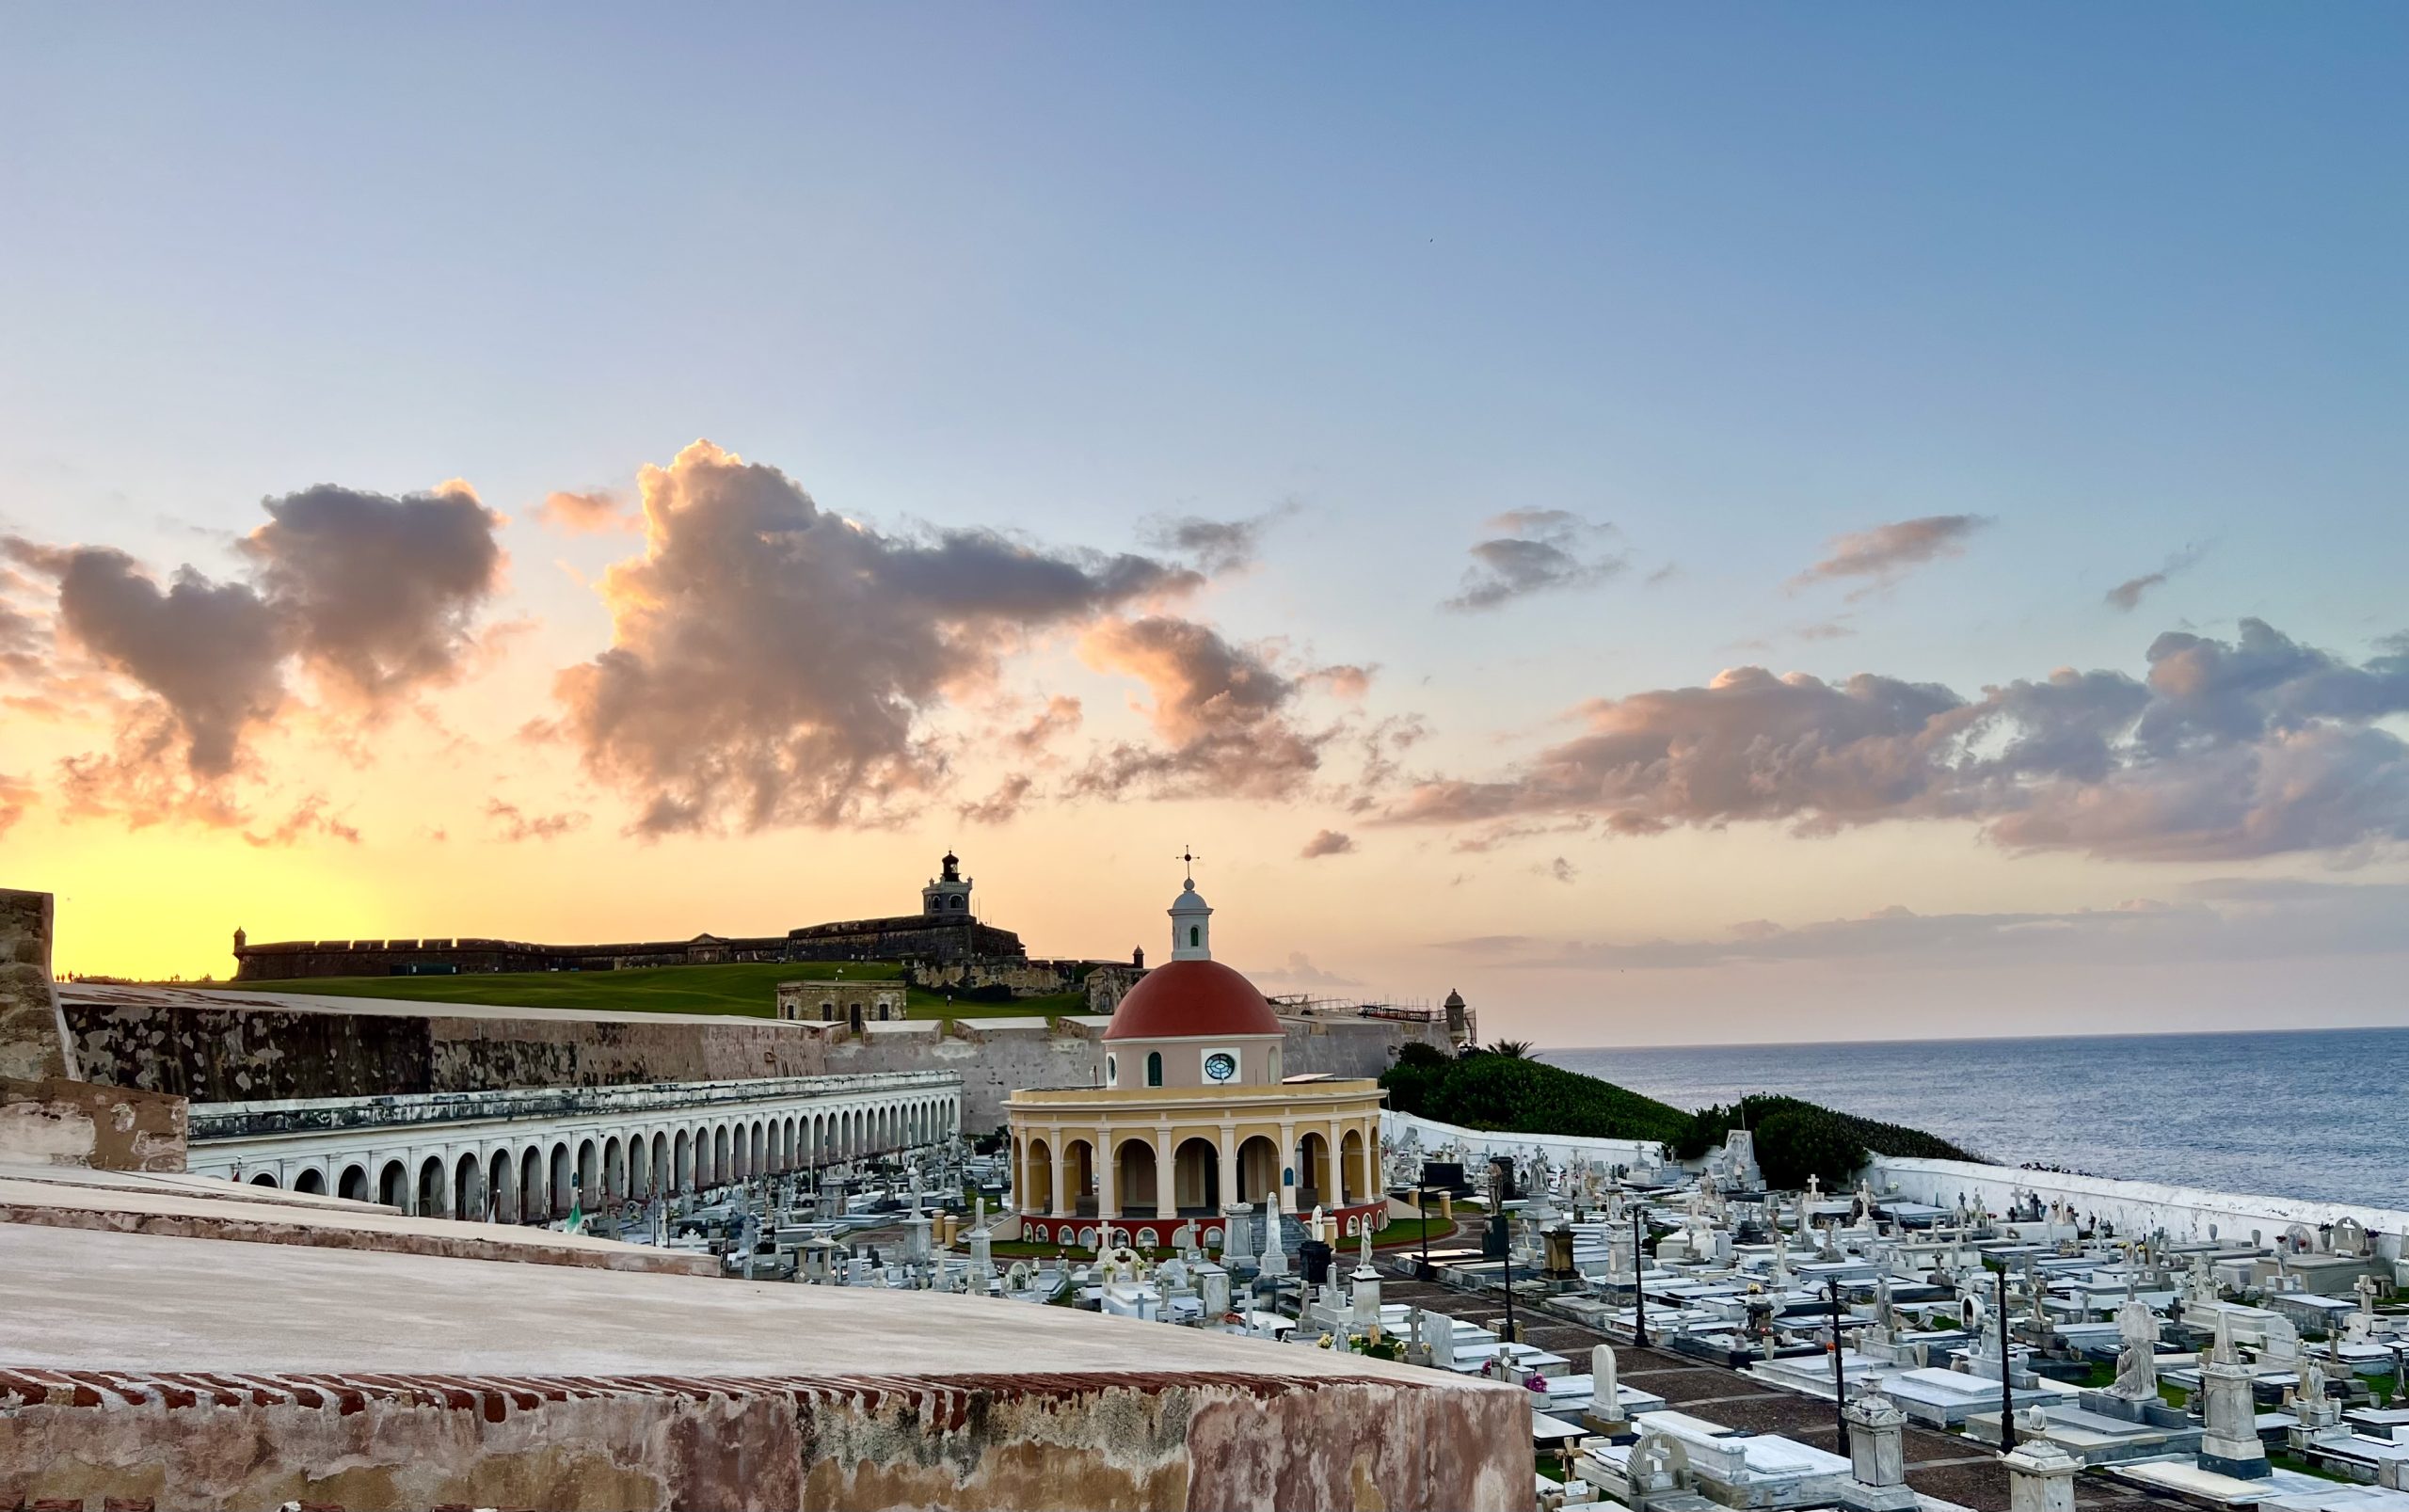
x,y
1194,1115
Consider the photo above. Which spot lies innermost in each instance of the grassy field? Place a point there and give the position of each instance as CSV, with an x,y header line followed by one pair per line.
x,y
748,988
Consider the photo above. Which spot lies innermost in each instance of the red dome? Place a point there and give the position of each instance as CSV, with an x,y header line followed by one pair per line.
x,y
1191,997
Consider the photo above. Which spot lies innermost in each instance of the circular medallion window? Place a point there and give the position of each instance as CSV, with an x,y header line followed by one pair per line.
x,y
1220,1066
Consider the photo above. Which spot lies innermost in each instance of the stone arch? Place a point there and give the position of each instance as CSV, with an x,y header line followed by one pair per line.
x,y
265,1178
1135,1186
500,1189
1196,1175
589,1174
564,1174
394,1185
312,1181
761,1148
467,1188
722,1172
1351,1174
1258,1168
615,1171
663,1172
1037,1163
352,1188
1312,1170
639,1166
1078,1178
434,1194
535,1199
683,1173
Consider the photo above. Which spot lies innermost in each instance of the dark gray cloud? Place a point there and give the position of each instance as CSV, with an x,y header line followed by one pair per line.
x,y
1327,843
1215,546
771,662
2128,594
1222,714
374,595
1882,555
1536,550
1002,806
379,591
2251,747
212,653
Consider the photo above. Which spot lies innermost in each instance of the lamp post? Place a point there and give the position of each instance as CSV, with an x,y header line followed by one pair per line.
x,y
1840,1391
2006,1387
1507,1260
1638,1293
1421,1208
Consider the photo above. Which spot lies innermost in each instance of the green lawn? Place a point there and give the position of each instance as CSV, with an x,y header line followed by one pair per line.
x,y
747,988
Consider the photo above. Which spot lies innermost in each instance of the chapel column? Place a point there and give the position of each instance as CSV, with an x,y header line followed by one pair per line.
x,y
1107,1158
1335,1196
1166,1179
1063,1204
1229,1151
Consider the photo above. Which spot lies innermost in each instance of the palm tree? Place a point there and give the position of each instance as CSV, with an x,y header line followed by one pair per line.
x,y
1511,1049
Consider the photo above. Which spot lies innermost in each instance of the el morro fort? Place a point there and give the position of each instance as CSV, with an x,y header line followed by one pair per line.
x,y
945,932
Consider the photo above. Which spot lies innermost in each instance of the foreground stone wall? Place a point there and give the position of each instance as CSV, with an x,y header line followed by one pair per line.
x,y
48,1115
1087,1440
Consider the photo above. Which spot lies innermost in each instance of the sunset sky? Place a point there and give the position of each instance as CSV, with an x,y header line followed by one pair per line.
x,y
1688,525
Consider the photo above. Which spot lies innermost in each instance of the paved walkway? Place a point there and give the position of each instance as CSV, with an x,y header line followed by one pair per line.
x,y
1938,1464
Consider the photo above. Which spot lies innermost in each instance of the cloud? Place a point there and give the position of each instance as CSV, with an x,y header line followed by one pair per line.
x,y
15,798
2218,919
508,821
1216,545
308,817
1560,870
1061,716
2127,595
1830,630
1221,712
1299,971
582,514
1002,805
2257,746
373,594
1886,553
771,663
1327,843
379,592
1536,550
213,654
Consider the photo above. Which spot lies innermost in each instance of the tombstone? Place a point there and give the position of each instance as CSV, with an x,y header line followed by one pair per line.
x,y
2230,1445
1314,1257
1438,1330
915,1239
2137,1359
982,1256
2351,1237
1213,1289
1237,1236
1659,1466
2040,1478
1605,1413
1274,1263
1878,1455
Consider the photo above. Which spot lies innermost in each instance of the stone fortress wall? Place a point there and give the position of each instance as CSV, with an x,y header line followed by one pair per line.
x,y
226,1046
900,938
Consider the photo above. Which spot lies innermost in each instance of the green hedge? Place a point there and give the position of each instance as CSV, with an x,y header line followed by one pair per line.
x,y
1794,1138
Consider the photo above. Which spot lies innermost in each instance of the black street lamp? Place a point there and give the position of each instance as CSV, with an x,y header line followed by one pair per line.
x,y
1840,1391
1422,1207
2006,1387
1639,1292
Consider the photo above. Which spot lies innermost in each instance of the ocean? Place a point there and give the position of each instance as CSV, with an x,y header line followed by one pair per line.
x,y
2317,1114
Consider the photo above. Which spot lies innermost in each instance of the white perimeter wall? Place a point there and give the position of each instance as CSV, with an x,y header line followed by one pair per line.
x,y
1479,1144
2135,1208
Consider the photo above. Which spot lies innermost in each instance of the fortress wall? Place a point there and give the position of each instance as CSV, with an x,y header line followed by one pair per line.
x,y
229,1048
474,1054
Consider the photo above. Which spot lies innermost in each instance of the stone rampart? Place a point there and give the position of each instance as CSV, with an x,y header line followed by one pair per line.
x,y
235,1047
901,937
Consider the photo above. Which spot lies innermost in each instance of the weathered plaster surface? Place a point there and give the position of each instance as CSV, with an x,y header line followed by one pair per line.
x,y
64,1123
206,1373
34,1044
333,1224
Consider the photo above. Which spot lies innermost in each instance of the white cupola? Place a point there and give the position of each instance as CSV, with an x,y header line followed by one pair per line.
x,y
1191,925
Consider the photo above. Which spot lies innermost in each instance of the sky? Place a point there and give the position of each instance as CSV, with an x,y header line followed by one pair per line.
x,y
1695,525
